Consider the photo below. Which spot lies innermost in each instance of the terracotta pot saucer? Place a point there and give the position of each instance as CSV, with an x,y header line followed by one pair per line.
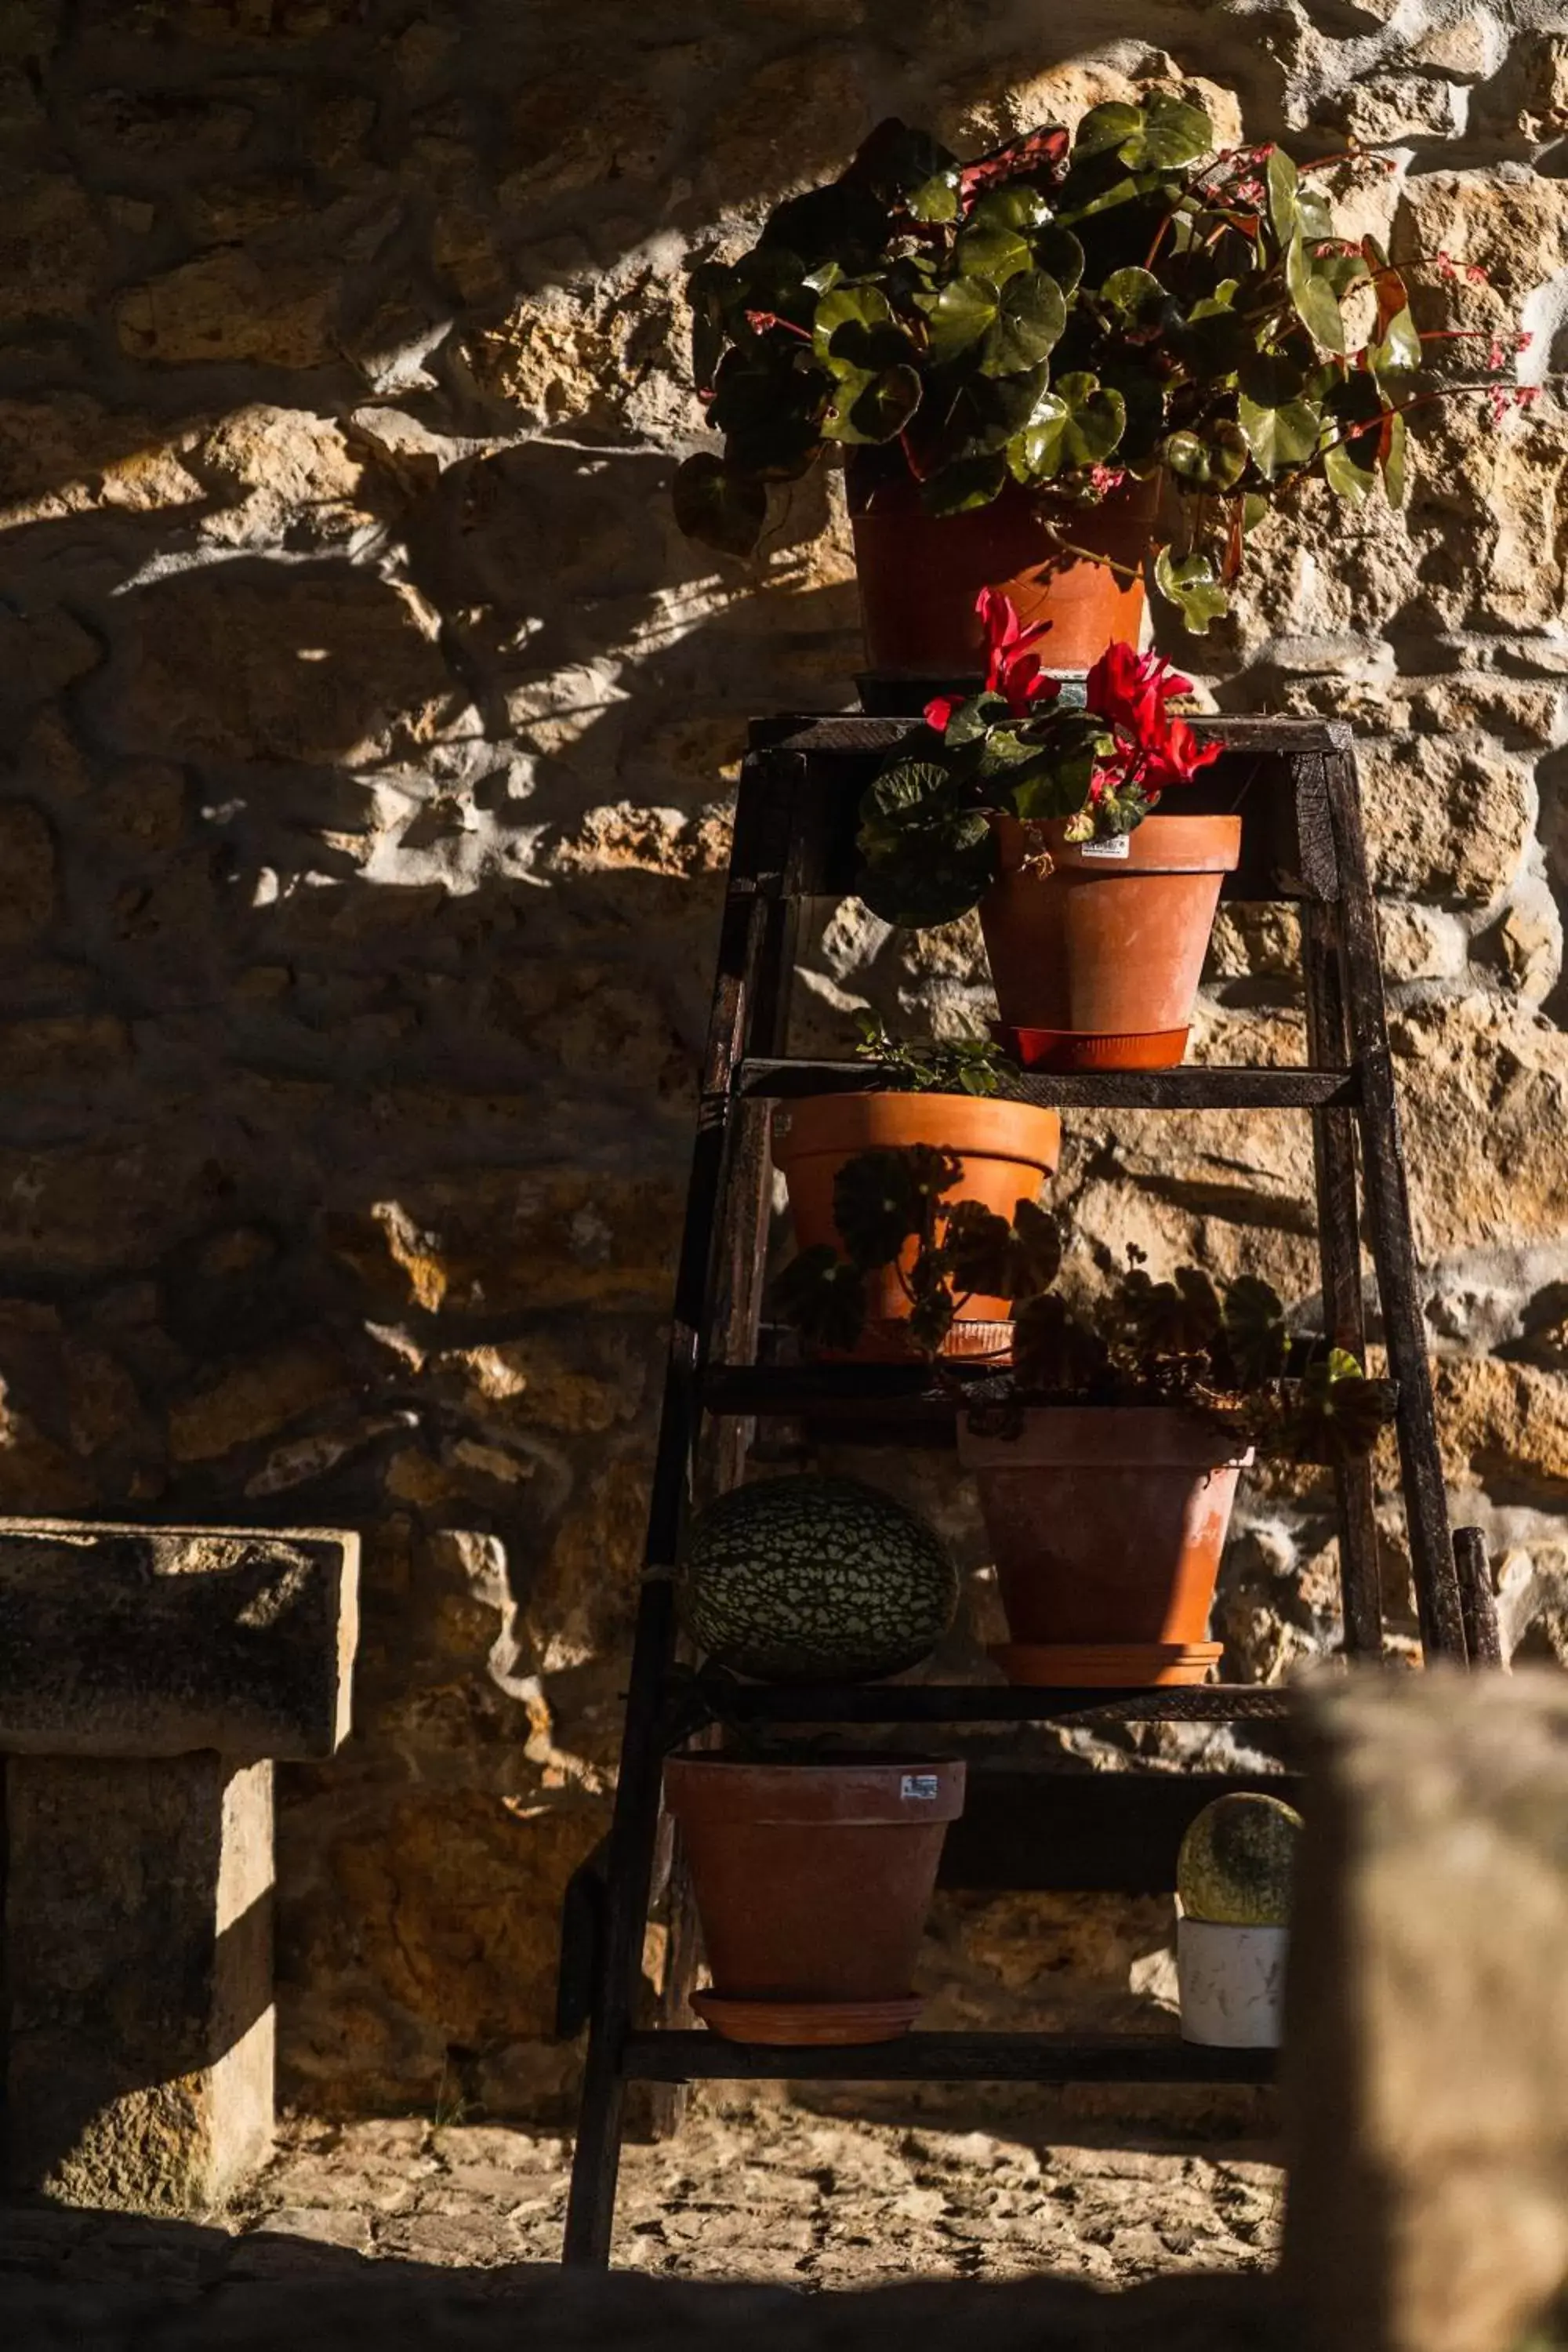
x,y
1090,1049
1106,1665
807,2024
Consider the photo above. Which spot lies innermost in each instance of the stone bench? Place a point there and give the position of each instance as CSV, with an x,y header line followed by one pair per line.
x,y
150,1678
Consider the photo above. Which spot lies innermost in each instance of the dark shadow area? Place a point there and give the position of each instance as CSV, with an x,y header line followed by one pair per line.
x,y
109,2283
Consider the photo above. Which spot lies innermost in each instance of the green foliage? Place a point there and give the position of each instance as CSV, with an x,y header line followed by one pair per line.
x,y
931,1065
1059,315
1226,1351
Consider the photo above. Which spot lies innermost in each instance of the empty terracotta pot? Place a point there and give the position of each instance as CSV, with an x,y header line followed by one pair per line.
x,y
813,1880
1007,1151
920,574
1107,1523
1096,961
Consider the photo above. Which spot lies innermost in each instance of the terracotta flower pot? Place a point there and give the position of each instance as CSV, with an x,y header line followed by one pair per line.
x,y
1107,1523
1096,963
921,573
813,1880
1007,1150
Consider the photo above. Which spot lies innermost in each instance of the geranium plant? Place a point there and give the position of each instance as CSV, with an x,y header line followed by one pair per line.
x,y
1062,314
1017,749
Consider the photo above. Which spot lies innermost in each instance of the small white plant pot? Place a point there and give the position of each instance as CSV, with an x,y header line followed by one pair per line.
x,y
1232,1983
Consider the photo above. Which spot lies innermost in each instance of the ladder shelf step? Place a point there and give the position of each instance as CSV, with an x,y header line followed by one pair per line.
x,y
1190,1088
987,1703
685,2057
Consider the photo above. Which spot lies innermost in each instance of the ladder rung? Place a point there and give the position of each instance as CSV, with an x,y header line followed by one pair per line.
x,y
989,1703
1198,1088
685,2057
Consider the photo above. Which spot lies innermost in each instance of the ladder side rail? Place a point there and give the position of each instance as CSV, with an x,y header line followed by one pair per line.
x,y
1389,1229
1339,1250
633,1828
730,1332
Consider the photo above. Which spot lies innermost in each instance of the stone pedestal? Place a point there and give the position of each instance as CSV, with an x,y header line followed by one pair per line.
x,y
139,1960
148,1676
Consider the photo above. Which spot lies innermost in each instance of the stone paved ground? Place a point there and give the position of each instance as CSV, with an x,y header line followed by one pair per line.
x,y
758,2189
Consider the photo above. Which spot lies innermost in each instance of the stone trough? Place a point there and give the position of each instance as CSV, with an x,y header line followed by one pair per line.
x,y
150,1678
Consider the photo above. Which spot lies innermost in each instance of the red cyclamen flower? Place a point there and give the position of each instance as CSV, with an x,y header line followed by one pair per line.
x,y
1013,670
1130,692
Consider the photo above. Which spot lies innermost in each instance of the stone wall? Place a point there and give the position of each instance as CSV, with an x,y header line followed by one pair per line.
x,y
367,733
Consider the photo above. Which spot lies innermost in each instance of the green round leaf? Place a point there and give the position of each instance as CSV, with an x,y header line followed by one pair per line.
x,y
847,324
1344,474
1191,584
1059,251
966,309
1107,126
1172,134
1096,416
935,199
1137,293
1280,436
1312,298
1212,461
720,507
1284,183
1030,317
1035,454
867,408
991,251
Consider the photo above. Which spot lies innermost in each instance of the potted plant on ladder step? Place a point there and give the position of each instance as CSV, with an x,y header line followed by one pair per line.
x,y
1234,1884
1018,353
1096,911
1107,1454
941,1095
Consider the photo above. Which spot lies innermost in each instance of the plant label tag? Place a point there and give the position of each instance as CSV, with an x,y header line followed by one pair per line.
x,y
918,1787
1119,845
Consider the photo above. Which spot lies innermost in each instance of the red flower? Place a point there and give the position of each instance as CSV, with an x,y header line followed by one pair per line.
x,y
1130,692
940,710
1012,670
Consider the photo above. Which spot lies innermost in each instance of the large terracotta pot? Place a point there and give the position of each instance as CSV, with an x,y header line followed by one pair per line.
x,y
1107,1523
1096,961
1007,1150
813,1880
920,574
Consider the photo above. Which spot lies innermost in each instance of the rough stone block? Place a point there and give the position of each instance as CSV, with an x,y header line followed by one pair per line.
x,y
148,1641
1426,2034
138,1964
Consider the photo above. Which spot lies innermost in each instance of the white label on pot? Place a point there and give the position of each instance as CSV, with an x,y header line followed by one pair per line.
x,y
918,1785
1119,845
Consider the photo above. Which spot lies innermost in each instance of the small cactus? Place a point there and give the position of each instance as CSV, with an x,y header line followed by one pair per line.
x,y
1236,1862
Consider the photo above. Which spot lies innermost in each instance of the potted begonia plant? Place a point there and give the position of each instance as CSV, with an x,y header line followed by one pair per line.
x,y
1095,911
1234,1879
940,1095
1016,352
1107,1458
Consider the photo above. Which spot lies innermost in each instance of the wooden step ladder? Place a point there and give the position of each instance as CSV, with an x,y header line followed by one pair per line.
x,y
1295,783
